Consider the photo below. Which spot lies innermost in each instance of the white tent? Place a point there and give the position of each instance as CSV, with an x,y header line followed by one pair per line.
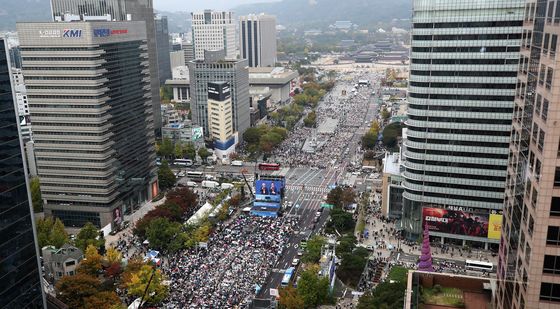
x,y
200,214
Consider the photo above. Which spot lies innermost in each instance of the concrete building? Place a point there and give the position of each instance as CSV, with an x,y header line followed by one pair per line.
x,y
122,10
279,81
220,119
213,69
392,189
22,104
162,45
88,86
177,59
462,85
61,262
20,272
257,40
188,51
529,258
213,31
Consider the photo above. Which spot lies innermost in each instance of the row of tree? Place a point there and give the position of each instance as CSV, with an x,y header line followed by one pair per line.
x,y
50,232
312,291
264,138
387,294
169,150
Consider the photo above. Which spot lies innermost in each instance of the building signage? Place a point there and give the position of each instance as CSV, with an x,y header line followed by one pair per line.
x,y
459,222
72,33
99,33
49,33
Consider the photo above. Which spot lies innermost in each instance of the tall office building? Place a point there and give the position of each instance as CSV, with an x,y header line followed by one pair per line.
x,y
20,286
216,69
162,42
220,121
462,85
188,51
529,259
88,86
122,10
213,31
257,40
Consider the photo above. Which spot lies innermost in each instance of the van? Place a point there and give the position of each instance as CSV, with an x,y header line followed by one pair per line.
x,y
226,185
192,184
237,163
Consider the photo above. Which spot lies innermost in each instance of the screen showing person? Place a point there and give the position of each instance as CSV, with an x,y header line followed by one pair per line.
x,y
263,189
273,190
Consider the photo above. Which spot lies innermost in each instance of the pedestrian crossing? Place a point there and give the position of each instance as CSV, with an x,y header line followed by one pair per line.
x,y
316,189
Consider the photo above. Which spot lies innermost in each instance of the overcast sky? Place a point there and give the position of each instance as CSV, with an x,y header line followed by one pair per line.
x,y
197,5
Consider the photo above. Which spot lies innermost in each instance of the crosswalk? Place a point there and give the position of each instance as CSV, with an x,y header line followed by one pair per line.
x,y
316,189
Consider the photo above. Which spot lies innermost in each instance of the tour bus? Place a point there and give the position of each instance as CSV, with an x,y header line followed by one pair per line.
x,y
287,276
479,266
269,166
195,176
183,162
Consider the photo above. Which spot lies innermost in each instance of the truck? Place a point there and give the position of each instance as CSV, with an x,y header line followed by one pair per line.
x,y
226,185
210,184
237,163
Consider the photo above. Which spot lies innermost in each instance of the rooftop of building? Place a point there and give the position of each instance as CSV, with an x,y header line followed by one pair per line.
x,y
431,290
392,163
271,75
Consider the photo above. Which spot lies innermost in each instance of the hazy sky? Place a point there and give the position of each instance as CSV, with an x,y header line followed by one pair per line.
x,y
197,5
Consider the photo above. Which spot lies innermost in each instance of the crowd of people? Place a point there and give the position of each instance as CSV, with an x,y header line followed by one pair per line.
x,y
348,109
238,258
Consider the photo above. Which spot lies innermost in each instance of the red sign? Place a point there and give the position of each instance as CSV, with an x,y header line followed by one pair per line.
x,y
455,222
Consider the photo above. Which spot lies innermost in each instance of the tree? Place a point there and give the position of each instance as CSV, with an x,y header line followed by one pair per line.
x,y
50,232
166,148
312,252
311,120
391,133
166,178
88,235
346,245
105,299
73,290
178,151
166,93
369,140
340,220
189,151
252,136
91,264
375,127
164,235
36,198
138,281
113,256
352,266
313,289
290,299
385,114
185,198
204,154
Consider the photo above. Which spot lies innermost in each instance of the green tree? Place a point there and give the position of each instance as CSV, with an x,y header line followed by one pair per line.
x,y
165,235
89,235
138,281
252,136
385,114
91,264
73,290
204,154
311,120
178,151
369,140
312,252
51,232
166,178
346,245
313,289
166,148
352,266
189,151
36,197
340,220
391,134
166,93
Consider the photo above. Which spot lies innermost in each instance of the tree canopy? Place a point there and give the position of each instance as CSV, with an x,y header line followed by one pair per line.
x,y
36,198
166,178
313,289
88,235
312,252
50,231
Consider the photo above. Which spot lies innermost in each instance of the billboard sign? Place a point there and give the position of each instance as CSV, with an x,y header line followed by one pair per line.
x,y
72,33
54,33
455,222
269,190
197,133
99,33
495,226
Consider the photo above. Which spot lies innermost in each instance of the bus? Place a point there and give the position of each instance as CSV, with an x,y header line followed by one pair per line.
x,y
183,162
478,266
196,176
287,276
269,166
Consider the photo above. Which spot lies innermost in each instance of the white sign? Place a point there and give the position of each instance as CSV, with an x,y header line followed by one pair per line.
x,y
274,292
55,33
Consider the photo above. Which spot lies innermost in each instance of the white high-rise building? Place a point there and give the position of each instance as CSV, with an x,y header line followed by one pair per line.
x,y
257,39
22,104
212,31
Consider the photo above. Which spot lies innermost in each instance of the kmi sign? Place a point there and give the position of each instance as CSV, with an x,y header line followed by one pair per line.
x,y
72,33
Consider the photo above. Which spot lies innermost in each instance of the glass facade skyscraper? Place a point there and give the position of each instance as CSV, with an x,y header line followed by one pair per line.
x,y
20,278
462,85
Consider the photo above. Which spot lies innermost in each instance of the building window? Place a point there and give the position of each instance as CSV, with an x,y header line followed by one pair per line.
x,y
538,104
541,139
551,264
553,42
546,42
545,109
550,292
550,12
549,74
555,206
553,236
557,177
542,74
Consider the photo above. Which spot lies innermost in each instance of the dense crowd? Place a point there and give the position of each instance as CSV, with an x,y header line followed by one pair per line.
x,y
349,110
240,255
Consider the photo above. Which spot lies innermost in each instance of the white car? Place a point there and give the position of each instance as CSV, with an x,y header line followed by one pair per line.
x,y
295,262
